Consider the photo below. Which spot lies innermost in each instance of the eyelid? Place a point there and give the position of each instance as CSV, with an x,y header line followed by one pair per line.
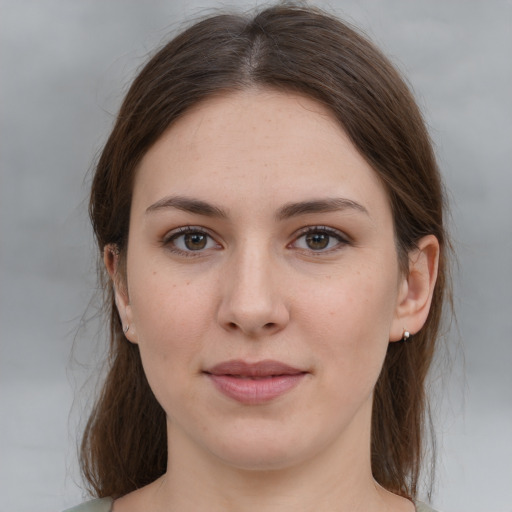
x,y
168,238
183,230
166,241
326,229
342,238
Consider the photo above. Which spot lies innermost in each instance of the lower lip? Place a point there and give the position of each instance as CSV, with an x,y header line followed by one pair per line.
x,y
255,391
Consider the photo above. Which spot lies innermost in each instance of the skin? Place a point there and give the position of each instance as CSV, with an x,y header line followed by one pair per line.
x,y
260,289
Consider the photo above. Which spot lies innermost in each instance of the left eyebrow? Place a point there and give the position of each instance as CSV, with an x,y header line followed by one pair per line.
x,y
334,204
188,204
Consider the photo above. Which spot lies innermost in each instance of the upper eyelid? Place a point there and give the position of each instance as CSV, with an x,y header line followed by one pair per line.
x,y
342,240
183,230
168,241
327,229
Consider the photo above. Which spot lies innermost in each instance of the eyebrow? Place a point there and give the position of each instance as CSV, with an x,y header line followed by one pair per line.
x,y
188,204
200,207
319,206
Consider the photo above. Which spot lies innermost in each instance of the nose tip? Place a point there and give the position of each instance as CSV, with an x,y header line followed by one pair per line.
x,y
252,301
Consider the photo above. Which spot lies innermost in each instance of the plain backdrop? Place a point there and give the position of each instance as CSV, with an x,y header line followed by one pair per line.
x,y
64,67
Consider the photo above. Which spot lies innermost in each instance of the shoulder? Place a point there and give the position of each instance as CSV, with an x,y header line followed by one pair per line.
x,y
101,505
421,507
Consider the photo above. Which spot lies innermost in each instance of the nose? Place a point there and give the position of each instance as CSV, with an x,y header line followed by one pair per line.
x,y
253,301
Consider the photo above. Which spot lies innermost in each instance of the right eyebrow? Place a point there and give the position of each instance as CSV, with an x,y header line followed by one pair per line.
x,y
323,205
188,204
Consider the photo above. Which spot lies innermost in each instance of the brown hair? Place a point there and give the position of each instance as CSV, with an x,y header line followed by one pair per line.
x,y
285,48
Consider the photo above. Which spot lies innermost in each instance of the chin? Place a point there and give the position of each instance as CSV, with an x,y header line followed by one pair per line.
x,y
258,450
267,459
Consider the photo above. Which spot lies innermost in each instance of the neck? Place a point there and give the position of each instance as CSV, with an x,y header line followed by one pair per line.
x,y
337,479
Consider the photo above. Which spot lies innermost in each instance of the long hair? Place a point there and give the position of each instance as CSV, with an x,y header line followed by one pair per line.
x,y
284,48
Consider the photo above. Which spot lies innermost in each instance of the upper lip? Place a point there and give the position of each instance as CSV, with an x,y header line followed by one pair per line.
x,y
266,368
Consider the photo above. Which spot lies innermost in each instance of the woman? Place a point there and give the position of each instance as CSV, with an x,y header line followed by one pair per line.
x,y
270,216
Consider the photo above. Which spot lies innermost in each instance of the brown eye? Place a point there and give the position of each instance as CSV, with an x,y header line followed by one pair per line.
x,y
188,240
195,241
317,241
320,239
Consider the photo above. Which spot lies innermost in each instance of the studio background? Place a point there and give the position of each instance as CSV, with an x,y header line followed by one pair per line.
x,y
64,68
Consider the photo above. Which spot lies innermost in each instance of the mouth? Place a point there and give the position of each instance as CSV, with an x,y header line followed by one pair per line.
x,y
254,383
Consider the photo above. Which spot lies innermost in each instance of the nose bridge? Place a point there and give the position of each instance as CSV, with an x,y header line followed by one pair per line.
x,y
252,300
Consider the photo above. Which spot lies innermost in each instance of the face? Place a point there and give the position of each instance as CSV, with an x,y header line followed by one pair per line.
x,y
262,281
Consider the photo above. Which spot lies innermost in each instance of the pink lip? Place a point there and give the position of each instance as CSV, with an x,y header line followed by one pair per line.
x,y
254,383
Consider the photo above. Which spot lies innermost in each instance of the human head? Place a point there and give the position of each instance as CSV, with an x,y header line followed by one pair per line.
x,y
286,49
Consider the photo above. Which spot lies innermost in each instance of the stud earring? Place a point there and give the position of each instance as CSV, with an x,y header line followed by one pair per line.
x,y
113,249
406,336
126,328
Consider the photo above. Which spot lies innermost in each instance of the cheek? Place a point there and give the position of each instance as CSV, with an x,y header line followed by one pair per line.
x,y
350,320
350,304
171,318
171,315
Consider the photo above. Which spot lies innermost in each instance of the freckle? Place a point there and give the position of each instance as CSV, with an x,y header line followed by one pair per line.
x,y
188,282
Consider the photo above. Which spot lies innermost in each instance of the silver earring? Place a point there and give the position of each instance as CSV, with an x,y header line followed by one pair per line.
x,y
113,249
406,336
126,329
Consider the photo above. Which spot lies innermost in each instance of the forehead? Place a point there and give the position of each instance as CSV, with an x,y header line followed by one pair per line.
x,y
279,146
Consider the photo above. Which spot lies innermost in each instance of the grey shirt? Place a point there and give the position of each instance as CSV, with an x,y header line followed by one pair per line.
x,y
105,505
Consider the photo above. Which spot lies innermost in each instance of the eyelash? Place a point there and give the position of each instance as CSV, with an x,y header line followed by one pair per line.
x,y
169,241
341,239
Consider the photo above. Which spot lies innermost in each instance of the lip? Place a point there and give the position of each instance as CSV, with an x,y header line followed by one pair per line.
x,y
254,383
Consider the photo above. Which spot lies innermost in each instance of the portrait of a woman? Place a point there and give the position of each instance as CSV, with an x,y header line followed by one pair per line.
x,y
269,212
255,256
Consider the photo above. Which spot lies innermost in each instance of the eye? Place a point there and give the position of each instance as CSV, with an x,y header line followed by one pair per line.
x,y
189,239
319,239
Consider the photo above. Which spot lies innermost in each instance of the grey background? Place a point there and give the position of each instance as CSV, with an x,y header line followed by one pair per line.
x,y
64,65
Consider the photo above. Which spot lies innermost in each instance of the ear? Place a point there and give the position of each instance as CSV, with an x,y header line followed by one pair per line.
x,y
111,260
416,288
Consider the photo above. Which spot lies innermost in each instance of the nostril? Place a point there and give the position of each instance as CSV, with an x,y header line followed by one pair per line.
x,y
270,326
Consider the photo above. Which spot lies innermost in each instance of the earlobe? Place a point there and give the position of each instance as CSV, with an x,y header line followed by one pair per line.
x,y
111,257
417,288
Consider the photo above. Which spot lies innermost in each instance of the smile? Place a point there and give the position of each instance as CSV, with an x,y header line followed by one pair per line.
x,y
254,383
